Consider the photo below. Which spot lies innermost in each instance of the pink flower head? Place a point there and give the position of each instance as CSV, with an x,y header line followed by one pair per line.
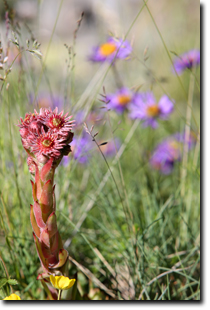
x,y
112,49
47,144
59,123
147,109
46,134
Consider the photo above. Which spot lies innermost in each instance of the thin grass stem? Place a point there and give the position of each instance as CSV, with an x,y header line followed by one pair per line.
x,y
187,134
47,51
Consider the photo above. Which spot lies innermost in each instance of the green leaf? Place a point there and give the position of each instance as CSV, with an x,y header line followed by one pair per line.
x,y
12,282
3,281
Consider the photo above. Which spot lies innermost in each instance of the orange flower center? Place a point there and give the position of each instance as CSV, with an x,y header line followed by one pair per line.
x,y
47,142
107,49
153,110
56,122
123,99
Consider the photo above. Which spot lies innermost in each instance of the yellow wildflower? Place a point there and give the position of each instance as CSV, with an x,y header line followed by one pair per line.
x,y
61,282
12,297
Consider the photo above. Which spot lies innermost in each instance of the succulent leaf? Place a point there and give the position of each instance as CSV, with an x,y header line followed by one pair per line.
x,y
46,199
44,237
38,183
38,215
63,255
54,244
34,225
43,260
45,172
33,190
52,224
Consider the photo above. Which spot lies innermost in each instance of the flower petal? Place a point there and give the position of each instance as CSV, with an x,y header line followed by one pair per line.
x,y
12,297
165,105
61,282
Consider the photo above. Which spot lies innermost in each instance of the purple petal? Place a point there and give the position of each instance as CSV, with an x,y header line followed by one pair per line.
x,y
165,105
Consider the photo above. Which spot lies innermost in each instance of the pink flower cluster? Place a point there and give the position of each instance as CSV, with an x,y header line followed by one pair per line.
x,y
46,134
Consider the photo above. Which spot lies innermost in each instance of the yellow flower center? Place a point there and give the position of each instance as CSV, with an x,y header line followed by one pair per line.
x,y
46,142
56,122
153,110
123,99
107,49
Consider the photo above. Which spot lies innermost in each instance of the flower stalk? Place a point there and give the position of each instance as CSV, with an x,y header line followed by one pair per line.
x,y
46,137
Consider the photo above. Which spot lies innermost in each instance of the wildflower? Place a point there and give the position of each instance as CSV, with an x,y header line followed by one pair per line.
x,y
146,108
165,155
121,100
12,297
112,49
61,282
81,147
168,152
46,137
187,61
46,134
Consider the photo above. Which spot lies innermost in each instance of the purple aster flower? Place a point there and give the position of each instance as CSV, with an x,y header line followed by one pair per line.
x,y
144,107
112,49
169,151
120,100
187,60
165,155
81,147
